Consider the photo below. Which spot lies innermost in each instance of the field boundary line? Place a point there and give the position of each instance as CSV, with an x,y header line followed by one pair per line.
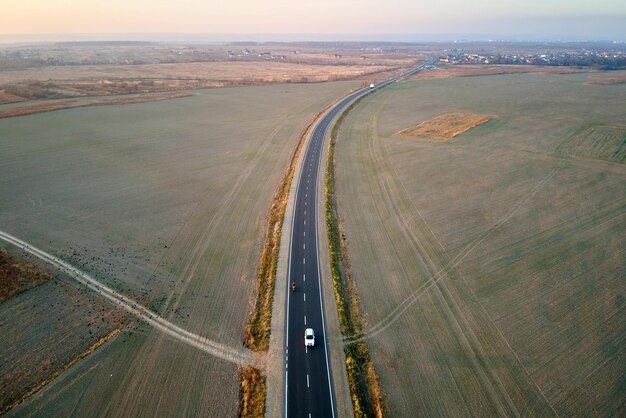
x,y
237,356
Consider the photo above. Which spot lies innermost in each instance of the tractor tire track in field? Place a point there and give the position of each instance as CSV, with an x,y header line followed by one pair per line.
x,y
431,254
197,240
239,356
197,253
441,273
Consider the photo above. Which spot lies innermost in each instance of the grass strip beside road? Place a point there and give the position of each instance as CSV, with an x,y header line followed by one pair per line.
x,y
257,337
252,393
363,380
257,334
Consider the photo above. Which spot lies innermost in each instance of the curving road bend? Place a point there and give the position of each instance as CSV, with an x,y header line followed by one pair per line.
x,y
308,379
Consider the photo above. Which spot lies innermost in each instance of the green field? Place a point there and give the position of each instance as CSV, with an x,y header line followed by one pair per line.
x,y
596,141
490,268
165,202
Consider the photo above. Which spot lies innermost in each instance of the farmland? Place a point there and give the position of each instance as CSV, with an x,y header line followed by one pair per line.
x,y
165,202
490,267
48,72
445,126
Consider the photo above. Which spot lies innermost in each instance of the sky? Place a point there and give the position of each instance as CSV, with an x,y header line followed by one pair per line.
x,y
553,19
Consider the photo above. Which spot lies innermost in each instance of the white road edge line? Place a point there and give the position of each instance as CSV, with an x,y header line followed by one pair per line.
x,y
319,280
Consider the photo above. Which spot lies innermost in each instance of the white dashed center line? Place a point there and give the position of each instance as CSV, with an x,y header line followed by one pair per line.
x,y
307,380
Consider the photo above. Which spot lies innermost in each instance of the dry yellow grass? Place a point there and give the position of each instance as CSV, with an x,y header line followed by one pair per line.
x,y
102,80
253,393
445,126
70,104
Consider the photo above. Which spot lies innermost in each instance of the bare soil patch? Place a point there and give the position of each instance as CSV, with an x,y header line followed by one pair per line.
x,y
16,276
446,126
70,104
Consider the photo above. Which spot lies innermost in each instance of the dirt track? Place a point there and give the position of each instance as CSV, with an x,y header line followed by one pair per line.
x,y
239,356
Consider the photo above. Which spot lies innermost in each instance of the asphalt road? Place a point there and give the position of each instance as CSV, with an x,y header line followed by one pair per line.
x,y
308,381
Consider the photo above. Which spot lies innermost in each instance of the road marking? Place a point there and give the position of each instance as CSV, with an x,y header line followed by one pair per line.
x,y
304,277
305,350
303,260
305,221
304,246
304,319
305,213
307,380
304,294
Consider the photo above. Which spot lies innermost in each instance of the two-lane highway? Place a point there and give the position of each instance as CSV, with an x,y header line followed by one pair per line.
x,y
308,381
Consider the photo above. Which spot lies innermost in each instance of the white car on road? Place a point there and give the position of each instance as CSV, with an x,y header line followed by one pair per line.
x,y
309,337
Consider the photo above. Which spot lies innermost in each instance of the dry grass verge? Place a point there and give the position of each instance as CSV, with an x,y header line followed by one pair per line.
x,y
257,336
446,126
253,392
257,333
18,276
364,383
70,104
608,79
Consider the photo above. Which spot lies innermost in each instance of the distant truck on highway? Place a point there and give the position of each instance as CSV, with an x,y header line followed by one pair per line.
x,y
372,85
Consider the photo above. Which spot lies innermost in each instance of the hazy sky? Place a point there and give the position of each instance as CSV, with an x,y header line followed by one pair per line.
x,y
567,18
